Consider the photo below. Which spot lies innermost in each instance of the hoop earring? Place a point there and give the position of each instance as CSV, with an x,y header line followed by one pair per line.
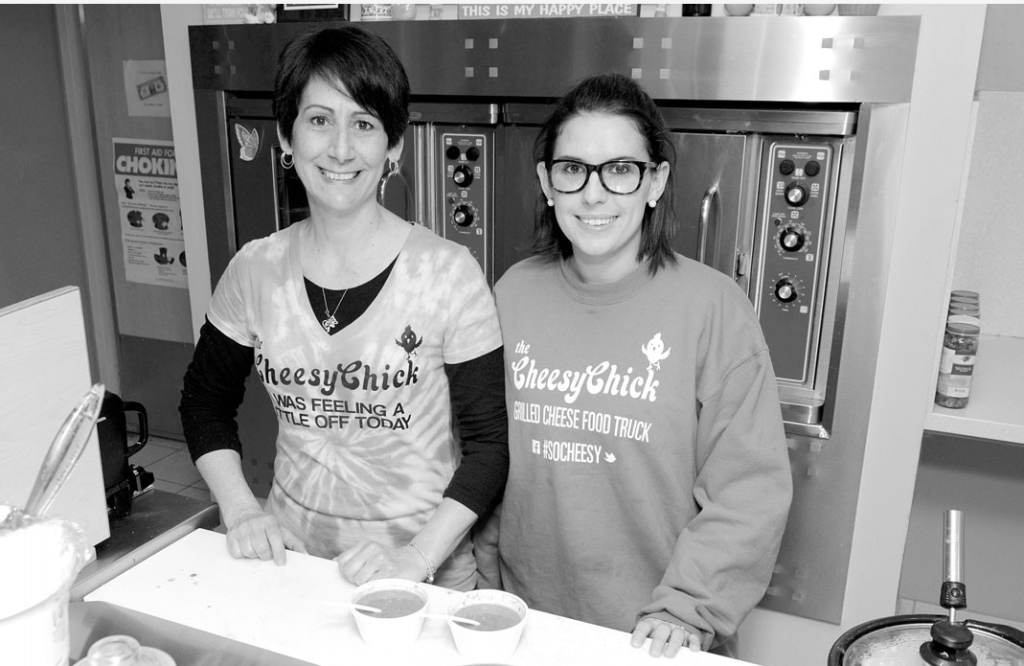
x,y
287,160
392,170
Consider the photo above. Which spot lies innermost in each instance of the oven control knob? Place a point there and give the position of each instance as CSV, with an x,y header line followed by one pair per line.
x,y
453,152
791,239
462,176
796,195
785,290
464,214
472,153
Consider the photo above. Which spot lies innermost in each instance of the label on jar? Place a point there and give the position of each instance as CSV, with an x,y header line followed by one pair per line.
x,y
954,386
956,364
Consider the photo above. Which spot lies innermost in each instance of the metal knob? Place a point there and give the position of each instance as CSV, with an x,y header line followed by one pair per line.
x,y
796,195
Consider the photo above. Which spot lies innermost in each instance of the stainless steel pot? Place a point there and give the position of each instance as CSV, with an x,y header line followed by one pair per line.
x,y
900,639
933,640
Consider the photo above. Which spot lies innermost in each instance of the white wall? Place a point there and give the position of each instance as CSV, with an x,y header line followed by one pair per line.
x,y
176,19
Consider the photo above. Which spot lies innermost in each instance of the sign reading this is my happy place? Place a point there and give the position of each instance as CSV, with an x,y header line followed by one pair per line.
x,y
544,10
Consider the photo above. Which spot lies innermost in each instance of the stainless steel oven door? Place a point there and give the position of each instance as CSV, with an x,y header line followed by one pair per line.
x,y
714,200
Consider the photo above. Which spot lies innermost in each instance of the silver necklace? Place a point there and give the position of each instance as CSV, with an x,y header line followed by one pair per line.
x,y
331,322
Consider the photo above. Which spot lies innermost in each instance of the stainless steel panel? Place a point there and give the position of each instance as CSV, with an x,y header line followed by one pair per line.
x,y
737,120
211,128
784,59
516,192
714,202
810,573
464,173
795,241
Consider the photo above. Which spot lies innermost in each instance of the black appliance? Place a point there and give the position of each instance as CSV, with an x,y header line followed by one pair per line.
x,y
121,479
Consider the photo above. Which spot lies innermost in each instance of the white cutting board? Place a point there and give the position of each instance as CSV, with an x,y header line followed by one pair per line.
x,y
44,374
195,582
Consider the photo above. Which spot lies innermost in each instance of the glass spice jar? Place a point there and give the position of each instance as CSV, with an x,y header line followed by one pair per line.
x,y
956,365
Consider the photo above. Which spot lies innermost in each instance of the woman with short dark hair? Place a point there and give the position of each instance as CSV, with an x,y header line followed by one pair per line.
x,y
373,338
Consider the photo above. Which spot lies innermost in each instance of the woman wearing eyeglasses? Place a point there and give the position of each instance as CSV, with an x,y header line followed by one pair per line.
x,y
649,482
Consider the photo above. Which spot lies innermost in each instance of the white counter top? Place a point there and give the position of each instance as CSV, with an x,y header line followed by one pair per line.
x,y
195,582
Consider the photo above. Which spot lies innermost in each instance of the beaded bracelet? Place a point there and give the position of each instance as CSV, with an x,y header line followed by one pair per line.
x,y
426,560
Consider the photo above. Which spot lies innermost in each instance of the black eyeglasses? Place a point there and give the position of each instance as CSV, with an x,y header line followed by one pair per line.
x,y
617,176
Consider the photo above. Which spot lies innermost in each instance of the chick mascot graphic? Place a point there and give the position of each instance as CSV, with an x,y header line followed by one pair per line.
x,y
655,351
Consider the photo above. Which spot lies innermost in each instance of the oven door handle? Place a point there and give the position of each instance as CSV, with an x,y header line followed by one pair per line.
x,y
705,220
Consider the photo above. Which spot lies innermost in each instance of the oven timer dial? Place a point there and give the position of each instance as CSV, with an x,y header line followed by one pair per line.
x,y
787,289
464,214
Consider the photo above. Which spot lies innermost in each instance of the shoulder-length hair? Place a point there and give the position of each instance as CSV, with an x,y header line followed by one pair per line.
x,y
612,94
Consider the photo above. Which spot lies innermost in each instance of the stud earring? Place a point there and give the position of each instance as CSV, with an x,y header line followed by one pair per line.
x,y
551,202
652,203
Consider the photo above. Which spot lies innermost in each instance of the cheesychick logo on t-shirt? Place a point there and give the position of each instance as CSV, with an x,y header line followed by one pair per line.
x,y
356,381
568,385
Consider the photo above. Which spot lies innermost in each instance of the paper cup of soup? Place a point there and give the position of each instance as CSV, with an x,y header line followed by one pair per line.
x,y
403,605
502,617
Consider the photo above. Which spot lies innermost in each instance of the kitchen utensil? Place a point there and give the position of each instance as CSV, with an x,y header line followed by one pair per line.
x,y
452,618
371,609
349,604
933,640
61,458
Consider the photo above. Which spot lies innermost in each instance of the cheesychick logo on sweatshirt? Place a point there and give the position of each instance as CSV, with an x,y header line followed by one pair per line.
x,y
565,386
309,397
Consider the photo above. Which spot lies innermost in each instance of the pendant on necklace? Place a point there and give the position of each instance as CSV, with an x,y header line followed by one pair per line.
x,y
329,323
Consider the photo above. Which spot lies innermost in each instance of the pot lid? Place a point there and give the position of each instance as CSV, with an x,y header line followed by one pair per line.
x,y
900,645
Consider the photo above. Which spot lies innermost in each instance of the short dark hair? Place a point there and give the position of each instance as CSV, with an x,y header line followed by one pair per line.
x,y
619,95
360,61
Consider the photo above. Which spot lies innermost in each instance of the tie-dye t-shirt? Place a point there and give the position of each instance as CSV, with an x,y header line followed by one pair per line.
x,y
365,446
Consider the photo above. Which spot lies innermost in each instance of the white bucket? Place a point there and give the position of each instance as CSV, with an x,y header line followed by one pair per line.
x,y
38,564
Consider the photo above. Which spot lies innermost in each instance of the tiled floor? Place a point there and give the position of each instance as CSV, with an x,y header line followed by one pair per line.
x,y
168,460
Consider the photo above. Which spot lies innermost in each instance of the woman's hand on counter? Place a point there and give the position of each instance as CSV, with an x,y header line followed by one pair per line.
x,y
256,534
369,560
666,637
252,533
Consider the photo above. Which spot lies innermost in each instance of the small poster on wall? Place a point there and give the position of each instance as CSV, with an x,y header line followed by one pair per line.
x,y
146,178
145,88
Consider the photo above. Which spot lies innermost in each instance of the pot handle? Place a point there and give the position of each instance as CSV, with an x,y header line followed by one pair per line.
x,y
140,410
953,594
